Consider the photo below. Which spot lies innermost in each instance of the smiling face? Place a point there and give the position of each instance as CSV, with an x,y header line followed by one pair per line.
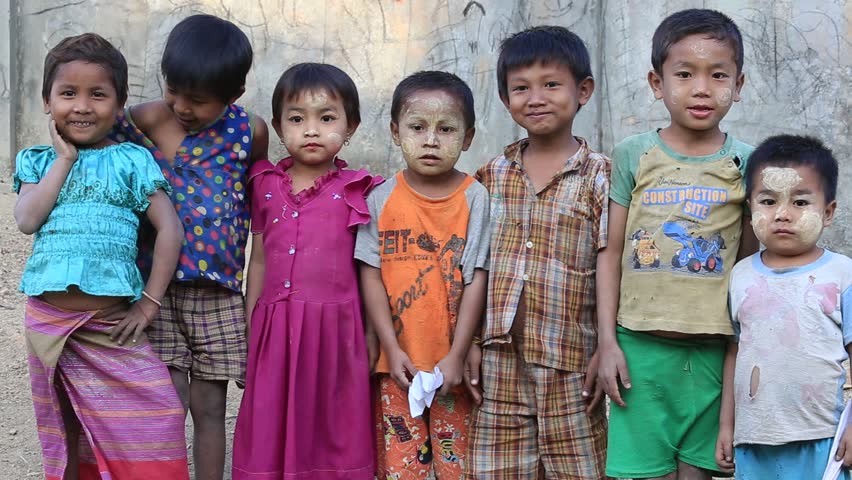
x,y
544,98
193,109
431,132
698,83
313,127
84,103
789,210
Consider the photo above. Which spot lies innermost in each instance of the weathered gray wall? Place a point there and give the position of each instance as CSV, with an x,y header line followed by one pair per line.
x,y
797,65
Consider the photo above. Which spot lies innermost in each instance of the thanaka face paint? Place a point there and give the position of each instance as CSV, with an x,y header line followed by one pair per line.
x,y
431,132
313,127
789,210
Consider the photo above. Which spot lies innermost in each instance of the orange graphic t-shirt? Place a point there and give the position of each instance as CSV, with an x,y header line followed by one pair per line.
x,y
427,250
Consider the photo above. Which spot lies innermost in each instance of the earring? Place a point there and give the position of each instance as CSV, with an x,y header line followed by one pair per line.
x,y
346,142
281,141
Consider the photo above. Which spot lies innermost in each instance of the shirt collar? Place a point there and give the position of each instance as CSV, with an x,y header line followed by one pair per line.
x,y
512,153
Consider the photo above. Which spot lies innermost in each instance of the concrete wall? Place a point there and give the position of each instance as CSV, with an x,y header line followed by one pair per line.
x,y
797,65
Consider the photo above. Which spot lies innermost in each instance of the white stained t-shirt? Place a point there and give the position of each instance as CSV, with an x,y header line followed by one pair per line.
x,y
792,326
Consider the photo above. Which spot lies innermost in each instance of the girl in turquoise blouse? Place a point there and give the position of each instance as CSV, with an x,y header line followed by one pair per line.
x,y
81,197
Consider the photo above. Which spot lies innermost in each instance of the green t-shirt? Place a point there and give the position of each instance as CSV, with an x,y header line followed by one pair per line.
x,y
683,232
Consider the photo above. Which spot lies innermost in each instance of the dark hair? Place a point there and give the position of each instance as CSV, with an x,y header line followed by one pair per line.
x,y
207,54
90,48
794,151
543,44
303,77
431,80
677,26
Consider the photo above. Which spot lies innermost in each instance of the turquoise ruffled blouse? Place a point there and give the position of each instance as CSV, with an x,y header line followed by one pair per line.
x,y
89,238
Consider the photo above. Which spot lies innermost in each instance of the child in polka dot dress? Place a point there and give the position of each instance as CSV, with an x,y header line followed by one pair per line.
x,y
204,145
306,413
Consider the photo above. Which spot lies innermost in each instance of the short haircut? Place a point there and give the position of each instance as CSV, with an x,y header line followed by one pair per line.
x,y
695,21
431,80
545,44
90,48
794,151
207,54
314,77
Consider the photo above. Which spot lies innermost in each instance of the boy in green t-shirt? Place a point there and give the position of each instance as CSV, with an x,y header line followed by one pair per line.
x,y
677,225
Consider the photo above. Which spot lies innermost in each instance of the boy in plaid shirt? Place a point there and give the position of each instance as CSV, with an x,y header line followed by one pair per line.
x,y
548,197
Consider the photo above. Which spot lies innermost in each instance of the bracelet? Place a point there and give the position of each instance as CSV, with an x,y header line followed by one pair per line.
x,y
149,297
477,340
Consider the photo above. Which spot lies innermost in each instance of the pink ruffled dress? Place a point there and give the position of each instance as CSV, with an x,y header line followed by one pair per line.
x,y
306,409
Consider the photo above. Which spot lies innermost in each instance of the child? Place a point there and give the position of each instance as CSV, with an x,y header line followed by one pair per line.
x,y
306,410
423,258
789,304
81,198
677,199
549,215
204,144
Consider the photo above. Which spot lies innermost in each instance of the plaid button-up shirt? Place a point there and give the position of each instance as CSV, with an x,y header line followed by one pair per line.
x,y
544,246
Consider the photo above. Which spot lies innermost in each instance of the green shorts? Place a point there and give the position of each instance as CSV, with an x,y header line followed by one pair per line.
x,y
672,411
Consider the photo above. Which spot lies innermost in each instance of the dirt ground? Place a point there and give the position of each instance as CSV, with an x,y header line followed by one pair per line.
x,y
20,453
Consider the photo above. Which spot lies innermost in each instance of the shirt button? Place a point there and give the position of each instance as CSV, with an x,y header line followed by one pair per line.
x,y
295,214
529,244
526,277
286,283
292,250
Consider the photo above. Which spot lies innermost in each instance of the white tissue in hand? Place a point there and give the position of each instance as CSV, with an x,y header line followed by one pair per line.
x,y
422,391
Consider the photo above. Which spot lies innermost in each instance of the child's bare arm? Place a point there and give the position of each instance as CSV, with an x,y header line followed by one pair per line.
x,y
36,200
161,214
725,440
378,312
749,243
256,272
470,312
613,365
259,139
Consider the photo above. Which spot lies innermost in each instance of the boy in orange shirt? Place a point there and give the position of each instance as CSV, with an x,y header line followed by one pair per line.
x,y
423,276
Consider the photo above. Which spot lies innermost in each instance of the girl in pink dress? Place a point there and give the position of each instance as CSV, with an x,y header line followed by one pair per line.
x,y
306,409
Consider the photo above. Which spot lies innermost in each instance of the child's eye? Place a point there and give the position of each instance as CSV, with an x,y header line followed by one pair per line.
x,y
519,88
66,93
767,201
99,95
327,118
720,75
682,74
416,127
551,84
801,203
447,129
295,119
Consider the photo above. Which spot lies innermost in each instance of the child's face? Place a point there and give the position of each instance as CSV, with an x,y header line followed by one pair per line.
x,y
431,132
789,210
194,109
699,82
313,126
84,103
544,98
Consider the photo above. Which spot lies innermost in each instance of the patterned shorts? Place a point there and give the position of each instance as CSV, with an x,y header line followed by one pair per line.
x,y
432,445
201,329
532,422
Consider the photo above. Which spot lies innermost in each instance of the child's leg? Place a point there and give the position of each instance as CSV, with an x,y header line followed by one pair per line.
x,y
503,441
405,450
207,404
449,426
572,443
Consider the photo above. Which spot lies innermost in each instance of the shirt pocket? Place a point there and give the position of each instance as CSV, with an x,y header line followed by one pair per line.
x,y
574,239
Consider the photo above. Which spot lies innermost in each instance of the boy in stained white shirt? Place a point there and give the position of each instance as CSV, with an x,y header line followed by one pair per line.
x,y
782,392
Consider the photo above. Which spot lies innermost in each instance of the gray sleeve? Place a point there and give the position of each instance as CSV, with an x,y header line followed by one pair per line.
x,y
476,247
367,239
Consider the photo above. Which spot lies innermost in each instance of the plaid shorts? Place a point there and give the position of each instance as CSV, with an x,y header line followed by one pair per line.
x,y
201,329
532,418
